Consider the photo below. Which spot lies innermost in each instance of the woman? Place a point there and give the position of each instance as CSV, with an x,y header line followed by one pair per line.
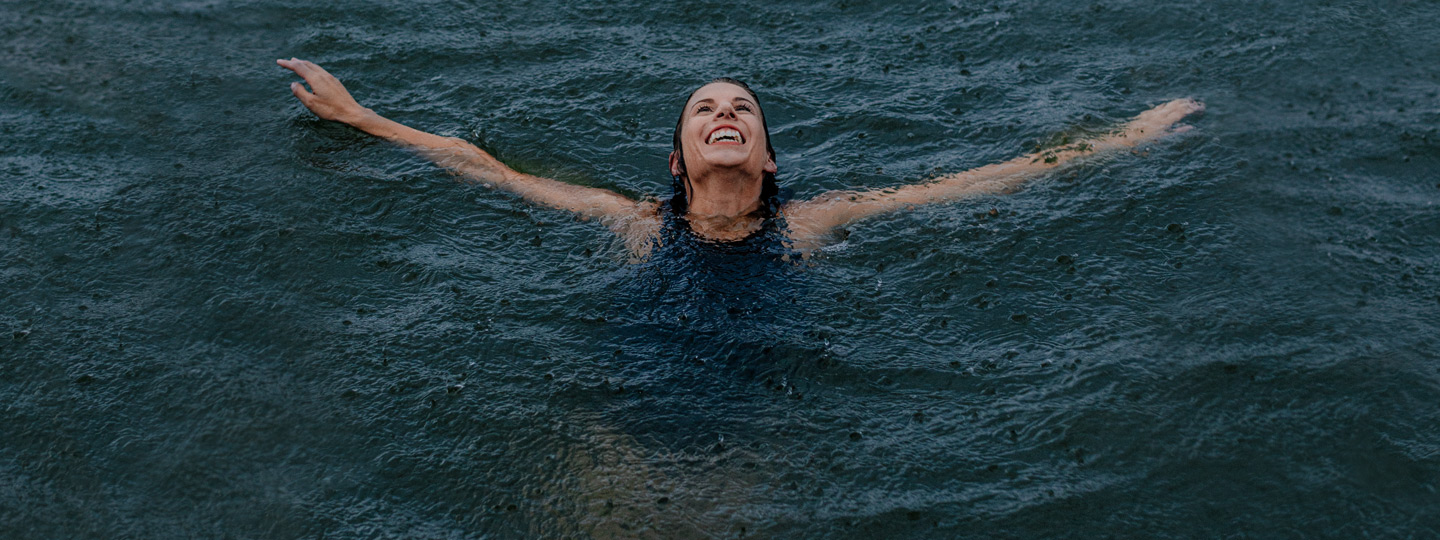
x,y
723,167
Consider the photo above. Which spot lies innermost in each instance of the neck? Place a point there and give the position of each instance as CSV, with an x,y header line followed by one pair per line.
x,y
724,196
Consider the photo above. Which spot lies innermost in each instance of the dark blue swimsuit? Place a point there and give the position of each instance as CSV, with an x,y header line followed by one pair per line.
x,y
705,331
715,281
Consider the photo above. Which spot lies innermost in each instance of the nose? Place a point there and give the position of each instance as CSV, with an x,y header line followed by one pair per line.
x,y
725,110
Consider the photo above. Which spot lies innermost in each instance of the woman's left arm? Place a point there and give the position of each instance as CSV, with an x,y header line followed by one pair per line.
x,y
810,219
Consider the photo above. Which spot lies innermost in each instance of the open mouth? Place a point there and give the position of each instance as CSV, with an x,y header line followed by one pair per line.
x,y
725,135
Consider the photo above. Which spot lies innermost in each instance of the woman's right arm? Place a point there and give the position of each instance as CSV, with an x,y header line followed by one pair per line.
x,y
329,99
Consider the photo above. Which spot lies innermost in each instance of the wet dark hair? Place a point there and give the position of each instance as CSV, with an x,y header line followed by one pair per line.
x,y
769,203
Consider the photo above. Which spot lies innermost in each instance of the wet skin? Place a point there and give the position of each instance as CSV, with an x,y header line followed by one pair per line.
x,y
724,177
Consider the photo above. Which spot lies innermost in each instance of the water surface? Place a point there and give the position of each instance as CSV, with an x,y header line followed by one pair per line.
x,y
224,318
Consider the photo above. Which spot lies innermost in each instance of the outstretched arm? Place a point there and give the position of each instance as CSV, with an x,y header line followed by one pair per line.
x,y
329,99
810,219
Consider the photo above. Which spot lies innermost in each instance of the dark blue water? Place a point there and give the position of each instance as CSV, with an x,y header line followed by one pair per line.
x,y
223,318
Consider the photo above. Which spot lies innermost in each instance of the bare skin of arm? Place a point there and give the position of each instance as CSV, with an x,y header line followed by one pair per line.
x,y
810,220
329,99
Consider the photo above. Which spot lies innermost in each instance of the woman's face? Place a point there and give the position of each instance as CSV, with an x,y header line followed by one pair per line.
x,y
723,131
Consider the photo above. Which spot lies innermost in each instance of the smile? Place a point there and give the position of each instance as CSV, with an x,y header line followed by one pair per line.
x,y
725,135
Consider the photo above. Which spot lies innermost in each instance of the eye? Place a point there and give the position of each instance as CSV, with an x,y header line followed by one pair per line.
x,y
744,107
702,108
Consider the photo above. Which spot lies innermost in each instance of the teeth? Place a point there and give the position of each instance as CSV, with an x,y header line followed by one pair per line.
x,y
724,135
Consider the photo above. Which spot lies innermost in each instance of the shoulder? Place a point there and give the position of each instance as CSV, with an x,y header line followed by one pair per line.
x,y
807,223
639,226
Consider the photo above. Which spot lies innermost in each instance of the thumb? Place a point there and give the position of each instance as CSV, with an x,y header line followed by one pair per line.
x,y
303,95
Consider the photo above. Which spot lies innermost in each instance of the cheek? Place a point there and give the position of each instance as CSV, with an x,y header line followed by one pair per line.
x,y
693,136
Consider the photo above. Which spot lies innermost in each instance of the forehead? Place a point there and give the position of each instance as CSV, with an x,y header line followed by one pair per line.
x,y
719,91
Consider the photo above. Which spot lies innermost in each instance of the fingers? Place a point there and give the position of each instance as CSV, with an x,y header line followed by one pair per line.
x,y
300,67
306,98
324,96
313,74
1181,108
300,93
1167,114
292,64
309,69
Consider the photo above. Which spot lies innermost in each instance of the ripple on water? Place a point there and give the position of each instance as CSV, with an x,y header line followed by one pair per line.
x,y
290,327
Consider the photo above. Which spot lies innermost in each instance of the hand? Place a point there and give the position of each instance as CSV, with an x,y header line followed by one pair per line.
x,y
1160,121
328,98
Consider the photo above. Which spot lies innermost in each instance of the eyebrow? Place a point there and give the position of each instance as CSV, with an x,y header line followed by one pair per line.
x,y
737,98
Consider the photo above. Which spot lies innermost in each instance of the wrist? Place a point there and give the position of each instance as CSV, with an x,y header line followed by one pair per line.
x,y
361,118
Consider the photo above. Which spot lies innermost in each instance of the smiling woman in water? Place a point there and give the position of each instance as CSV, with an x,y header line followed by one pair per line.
x,y
723,168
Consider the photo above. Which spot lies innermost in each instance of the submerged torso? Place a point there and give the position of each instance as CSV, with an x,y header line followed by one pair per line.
x,y
728,309
709,281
